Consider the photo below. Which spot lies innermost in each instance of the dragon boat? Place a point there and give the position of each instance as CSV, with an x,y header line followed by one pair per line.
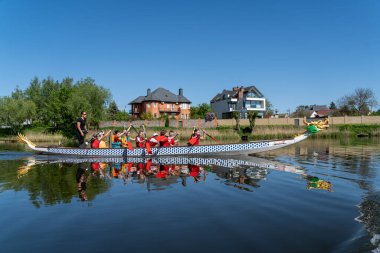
x,y
200,150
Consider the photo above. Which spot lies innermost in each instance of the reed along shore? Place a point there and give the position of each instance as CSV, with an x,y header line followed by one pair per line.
x,y
223,134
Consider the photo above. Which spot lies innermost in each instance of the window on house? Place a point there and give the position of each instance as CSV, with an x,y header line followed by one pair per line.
x,y
253,104
155,104
172,107
182,116
155,115
148,104
184,106
167,106
251,95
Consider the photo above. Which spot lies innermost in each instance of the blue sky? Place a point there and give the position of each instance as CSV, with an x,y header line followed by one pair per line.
x,y
295,52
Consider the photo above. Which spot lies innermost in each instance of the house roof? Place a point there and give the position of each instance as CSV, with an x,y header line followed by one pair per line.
x,y
234,93
324,112
161,95
254,90
319,107
137,100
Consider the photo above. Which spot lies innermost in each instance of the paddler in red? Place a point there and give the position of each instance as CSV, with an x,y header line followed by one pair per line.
x,y
153,141
163,139
171,139
195,137
140,140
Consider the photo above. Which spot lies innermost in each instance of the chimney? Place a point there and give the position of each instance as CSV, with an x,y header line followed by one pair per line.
x,y
148,92
180,92
241,92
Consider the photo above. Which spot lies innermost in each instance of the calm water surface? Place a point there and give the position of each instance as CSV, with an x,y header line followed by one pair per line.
x,y
318,196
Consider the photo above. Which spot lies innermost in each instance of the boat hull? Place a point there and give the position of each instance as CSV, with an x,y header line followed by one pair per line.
x,y
201,150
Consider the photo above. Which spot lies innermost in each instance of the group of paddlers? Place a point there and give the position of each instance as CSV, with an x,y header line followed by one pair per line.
x,y
122,139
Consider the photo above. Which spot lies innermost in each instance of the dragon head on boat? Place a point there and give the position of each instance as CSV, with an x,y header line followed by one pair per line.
x,y
316,126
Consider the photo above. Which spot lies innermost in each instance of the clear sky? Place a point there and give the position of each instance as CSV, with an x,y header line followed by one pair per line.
x,y
294,52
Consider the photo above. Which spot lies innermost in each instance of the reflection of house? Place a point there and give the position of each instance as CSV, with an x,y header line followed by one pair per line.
x,y
240,99
161,102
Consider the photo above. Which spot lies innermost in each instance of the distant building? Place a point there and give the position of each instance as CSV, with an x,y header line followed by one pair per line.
x,y
161,102
318,111
240,99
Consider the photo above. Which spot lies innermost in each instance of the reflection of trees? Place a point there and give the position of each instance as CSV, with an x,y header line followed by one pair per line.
x,y
370,216
50,184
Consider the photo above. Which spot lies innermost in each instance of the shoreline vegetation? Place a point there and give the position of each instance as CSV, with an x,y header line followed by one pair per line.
x,y
225,134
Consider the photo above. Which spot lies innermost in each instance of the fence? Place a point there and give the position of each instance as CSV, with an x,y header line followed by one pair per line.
x,y
189,123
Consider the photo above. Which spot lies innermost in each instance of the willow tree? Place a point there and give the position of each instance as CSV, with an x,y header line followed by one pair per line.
x,y
16,112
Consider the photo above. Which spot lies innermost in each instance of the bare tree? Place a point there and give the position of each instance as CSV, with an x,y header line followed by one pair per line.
x,y
360,102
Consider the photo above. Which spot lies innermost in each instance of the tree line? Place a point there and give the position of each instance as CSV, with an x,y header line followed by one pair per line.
x,y
55,104
361,102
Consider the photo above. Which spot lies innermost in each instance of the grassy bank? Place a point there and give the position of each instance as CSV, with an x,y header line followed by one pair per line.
x,y
223,134
34,134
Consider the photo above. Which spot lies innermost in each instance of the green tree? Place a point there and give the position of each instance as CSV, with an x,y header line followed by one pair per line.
x,y
236,116
55,104
200,111
332,106
146,116
122,116
252,119
113,110
302,111
15,112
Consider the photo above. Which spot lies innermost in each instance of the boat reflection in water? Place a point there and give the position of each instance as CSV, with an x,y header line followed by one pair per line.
x,y
161,172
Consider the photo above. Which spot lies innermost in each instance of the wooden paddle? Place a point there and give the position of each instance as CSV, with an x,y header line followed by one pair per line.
x,y
217,141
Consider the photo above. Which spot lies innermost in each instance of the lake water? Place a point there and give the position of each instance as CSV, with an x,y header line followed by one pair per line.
x,y
318,196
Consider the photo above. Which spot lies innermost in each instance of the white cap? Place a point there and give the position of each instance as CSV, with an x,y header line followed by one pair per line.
x,y
155,134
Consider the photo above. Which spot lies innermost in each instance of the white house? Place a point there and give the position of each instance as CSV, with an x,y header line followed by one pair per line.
x,y
240,99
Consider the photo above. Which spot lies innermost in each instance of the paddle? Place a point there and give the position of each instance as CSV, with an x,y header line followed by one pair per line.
x,y
137,132
147,145
217,141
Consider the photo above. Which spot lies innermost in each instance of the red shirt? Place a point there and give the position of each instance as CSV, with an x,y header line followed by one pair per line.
x,y
163,140
194,140
139,142
95,144
171,142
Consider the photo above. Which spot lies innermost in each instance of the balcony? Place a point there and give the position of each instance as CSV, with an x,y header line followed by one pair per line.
x,y
170,110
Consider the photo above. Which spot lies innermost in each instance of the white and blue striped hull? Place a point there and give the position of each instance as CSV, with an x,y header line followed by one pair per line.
x,y
201,150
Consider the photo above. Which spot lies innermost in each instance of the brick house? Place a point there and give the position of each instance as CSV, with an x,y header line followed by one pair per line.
x,y
161,102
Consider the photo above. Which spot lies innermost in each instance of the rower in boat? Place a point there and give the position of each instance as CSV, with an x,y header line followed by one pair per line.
x,y
163,139
140,140
196,137
171,138
153,141
99,141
